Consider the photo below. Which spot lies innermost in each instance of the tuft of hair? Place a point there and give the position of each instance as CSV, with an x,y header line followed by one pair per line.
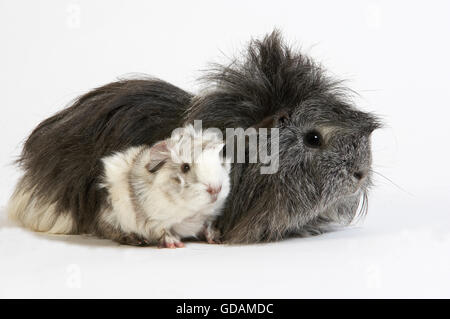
x,y
186,144
270,78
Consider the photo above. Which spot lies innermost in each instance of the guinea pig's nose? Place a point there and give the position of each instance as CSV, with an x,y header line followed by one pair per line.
x,y
214,191
359,175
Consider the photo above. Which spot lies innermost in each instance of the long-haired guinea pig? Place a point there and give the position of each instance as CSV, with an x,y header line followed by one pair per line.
x,y
162,193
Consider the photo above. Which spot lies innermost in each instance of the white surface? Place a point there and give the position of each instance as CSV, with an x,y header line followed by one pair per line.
x,y
394,54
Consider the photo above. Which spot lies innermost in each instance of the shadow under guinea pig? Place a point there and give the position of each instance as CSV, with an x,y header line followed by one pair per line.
x,y
355,231
77,240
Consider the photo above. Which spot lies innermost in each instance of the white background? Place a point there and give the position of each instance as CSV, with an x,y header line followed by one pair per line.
x,y
394,54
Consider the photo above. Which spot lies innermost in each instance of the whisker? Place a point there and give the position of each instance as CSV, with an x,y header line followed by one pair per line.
x,y
363,208
392,182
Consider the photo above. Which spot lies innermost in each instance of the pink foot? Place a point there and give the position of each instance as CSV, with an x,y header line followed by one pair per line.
x,y
179,244
211,234
169,241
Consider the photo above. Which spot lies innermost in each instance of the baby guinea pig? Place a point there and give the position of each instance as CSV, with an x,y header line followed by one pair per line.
x,y
161,194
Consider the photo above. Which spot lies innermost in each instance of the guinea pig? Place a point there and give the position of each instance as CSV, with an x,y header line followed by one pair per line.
x,y
162,193
165,192
324,159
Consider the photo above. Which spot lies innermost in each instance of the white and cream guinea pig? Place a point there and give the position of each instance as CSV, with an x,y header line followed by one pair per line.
x,y
164,193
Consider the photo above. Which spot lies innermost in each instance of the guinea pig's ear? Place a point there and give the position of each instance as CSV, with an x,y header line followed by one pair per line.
x,y
278,119
159,154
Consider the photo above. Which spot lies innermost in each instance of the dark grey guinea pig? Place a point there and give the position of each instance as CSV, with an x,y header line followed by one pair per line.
x,y
324,144
325,156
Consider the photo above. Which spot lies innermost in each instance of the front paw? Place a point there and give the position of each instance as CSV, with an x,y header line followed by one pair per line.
x,y
133,240
212,235
170,241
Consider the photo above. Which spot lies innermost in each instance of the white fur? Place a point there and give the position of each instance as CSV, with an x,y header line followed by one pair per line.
x,y
37,215
116,172
162,207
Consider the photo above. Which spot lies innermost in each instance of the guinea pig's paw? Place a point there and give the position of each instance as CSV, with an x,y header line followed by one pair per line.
x,y
134,240
211,234
170,241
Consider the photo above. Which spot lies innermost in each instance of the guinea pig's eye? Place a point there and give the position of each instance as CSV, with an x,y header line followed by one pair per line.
x,y
283,119
313,139
185,168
